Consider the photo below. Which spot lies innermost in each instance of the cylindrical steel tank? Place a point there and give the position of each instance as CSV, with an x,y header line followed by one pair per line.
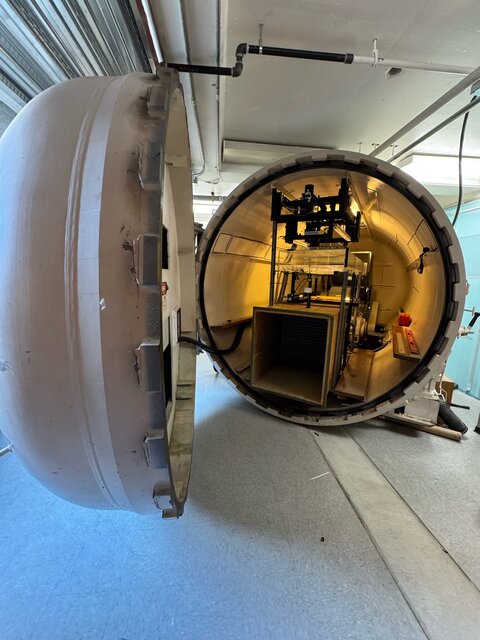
x,y
400,219
96,233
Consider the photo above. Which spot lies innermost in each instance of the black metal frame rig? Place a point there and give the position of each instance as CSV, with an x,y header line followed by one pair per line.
x,y
328,221
318,212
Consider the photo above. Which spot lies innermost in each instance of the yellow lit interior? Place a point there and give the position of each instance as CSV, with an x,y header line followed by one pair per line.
x,y
237,273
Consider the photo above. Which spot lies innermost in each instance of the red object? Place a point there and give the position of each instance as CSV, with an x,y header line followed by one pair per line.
x,y
412,344
404,320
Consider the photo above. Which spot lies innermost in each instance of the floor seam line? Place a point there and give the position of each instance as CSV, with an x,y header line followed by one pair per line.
x,y
372,539
414,512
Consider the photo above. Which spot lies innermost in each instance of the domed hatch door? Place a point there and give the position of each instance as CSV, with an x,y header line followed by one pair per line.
x,y
97,242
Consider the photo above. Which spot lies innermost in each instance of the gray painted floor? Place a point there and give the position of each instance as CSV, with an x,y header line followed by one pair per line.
x,y
439,479
269,547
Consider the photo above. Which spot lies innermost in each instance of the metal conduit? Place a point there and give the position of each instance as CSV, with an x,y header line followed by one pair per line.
x,y
440,126
350,58
465,83
324,56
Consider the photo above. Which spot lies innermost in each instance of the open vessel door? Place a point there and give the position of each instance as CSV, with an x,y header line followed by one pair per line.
x,y
96,232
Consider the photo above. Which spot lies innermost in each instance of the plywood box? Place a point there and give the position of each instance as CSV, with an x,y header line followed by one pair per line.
x,y
293,351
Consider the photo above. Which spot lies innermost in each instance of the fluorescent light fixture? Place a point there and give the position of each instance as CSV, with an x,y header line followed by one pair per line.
x,y
210,200
258,153
442,170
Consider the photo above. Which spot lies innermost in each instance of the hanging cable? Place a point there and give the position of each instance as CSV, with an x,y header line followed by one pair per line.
x,y
214,350
460,158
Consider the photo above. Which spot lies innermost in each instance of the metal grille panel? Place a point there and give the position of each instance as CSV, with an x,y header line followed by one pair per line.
x,y
303,342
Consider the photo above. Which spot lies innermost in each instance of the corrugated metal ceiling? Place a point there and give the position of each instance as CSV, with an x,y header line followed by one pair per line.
x,y
43,42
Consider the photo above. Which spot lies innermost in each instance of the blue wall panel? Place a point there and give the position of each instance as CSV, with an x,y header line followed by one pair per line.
x,y
463,365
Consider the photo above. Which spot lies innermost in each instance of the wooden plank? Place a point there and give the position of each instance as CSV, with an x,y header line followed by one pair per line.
x,y
354,379
420,425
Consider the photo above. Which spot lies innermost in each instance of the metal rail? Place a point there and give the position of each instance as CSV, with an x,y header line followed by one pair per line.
x,y
440,126
465,83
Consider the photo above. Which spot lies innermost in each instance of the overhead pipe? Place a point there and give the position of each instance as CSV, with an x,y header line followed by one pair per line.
x,y
324,56
189,88
233,72
392,63
349,58
145,12
149,25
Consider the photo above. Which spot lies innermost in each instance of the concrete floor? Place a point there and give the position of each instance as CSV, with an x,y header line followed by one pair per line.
x,y
286,535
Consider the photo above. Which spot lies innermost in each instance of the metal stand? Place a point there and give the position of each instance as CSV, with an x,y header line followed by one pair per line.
x,y
273,263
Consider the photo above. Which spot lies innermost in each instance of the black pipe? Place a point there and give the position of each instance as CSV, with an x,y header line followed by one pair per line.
x,y
475,317
240,52
346,58
200,68
244,48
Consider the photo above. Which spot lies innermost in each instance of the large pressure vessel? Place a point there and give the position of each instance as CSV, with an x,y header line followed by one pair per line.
x,y
97,242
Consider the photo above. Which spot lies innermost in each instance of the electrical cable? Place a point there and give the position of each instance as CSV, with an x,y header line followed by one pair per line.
x,y
460,406
460,158
215,350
